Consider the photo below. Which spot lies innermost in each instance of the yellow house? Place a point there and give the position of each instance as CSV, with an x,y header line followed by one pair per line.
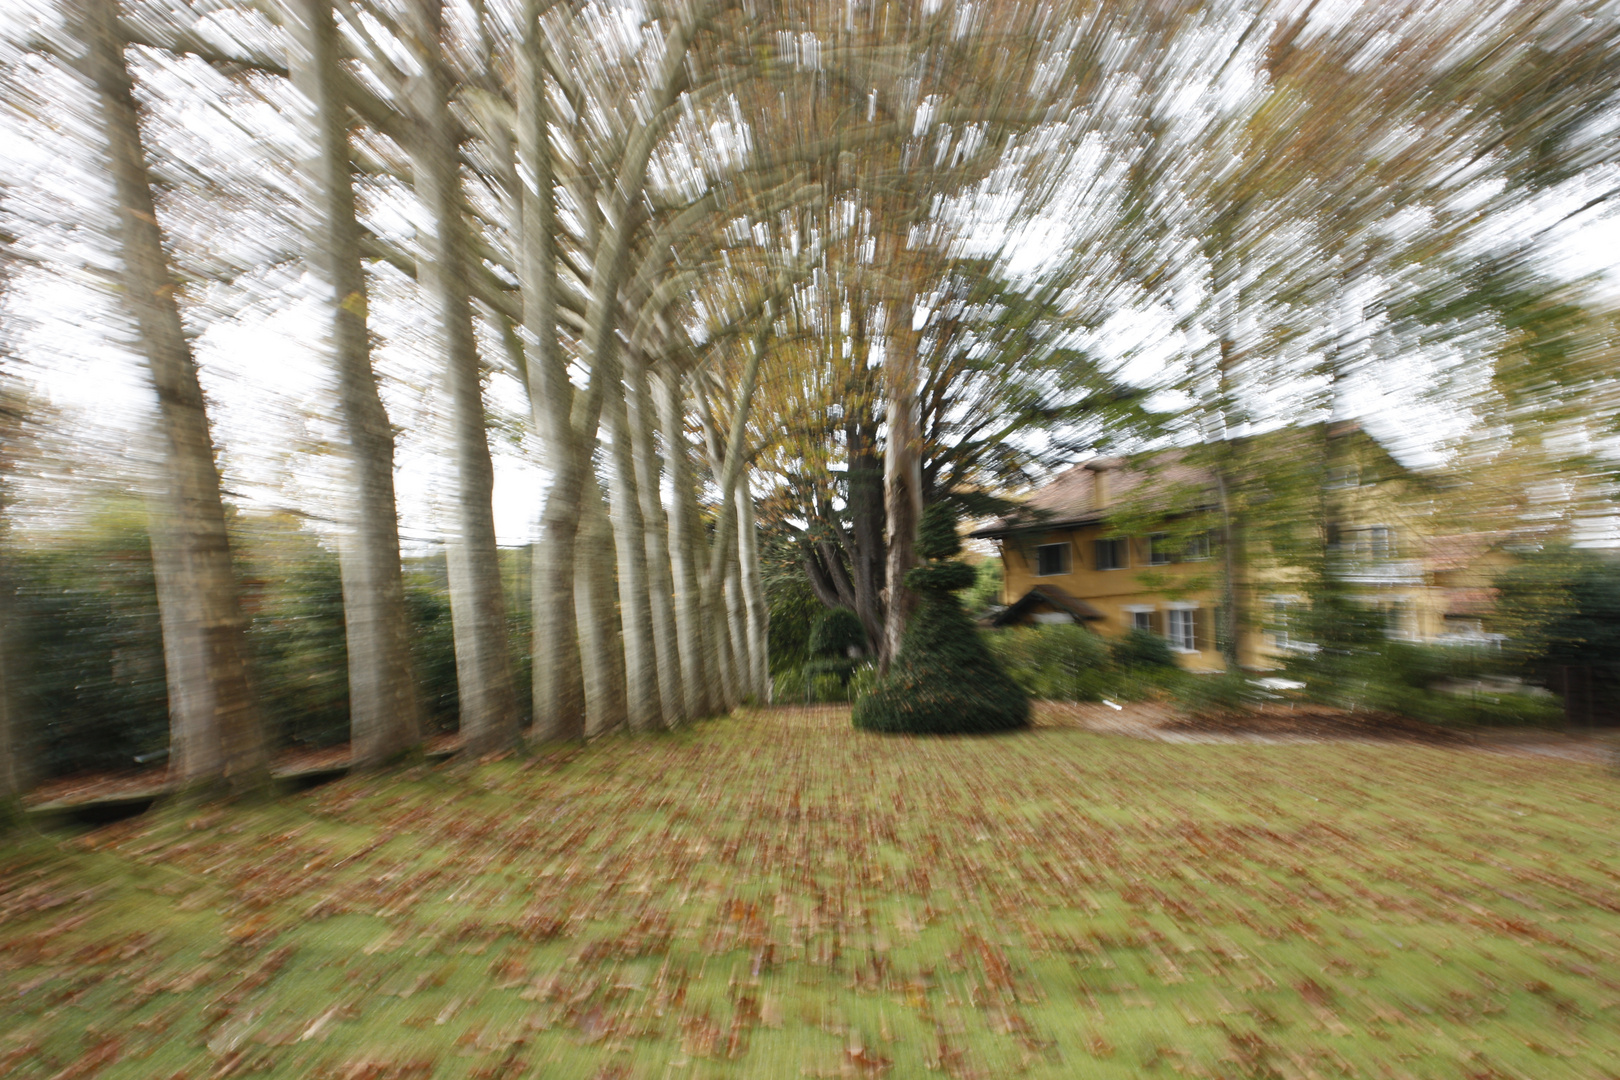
x,y
1123,543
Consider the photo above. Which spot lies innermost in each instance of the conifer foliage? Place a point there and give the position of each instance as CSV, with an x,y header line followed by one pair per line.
x,y
944,681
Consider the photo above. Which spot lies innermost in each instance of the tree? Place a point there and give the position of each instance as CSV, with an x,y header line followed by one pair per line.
x,y
384,720
217,734
944,679
489,717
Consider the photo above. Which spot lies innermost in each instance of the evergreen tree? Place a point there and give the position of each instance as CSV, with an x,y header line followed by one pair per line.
x,y
944,680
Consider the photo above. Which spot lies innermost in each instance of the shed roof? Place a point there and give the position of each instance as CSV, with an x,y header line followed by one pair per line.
x,y
1050,594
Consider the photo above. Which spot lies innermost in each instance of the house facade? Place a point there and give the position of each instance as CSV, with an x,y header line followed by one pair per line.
x,y
1117,544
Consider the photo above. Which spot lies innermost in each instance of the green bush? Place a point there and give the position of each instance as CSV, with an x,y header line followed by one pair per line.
x,y
945,680
1138,648
787,687
862,682
827,689
1063,662
837,631
1216,694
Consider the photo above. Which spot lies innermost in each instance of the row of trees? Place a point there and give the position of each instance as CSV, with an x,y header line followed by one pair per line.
x,y
792,271
634,214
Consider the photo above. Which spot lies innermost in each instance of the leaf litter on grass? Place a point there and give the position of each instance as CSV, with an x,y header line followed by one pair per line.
x,y
774,894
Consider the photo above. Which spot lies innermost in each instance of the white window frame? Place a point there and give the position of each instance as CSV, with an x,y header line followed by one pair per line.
x,y
1199,547
1064,560
1136,613
1278,628
1373,543
1181,627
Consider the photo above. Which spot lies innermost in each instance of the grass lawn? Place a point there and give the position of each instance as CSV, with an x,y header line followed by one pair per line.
x,y
777,895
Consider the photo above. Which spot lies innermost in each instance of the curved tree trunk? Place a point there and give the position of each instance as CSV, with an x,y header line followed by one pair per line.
x,y
694,652
217,735
737,630
13,763
753,591
601,652
643,708
489,715
383,717
559,682
655,535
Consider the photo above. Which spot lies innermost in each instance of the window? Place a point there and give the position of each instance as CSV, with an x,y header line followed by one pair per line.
x,y
1159,552
1345,476
1113,554
1279,623
1183,635
1051,559
1400,620
1374,542
1142,620
1197,547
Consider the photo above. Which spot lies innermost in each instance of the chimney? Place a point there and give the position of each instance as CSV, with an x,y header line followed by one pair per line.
x,y
1099,480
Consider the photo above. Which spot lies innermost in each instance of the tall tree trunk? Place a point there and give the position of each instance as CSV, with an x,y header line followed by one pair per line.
x,y
724,543
601,651
683,567
643,706
384,720
489,715
902,490
559,686
13,756
868,525
559,678
737,630
753,593
13,762
217,734
655,536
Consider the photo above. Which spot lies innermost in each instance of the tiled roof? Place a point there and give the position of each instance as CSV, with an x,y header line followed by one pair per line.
x,y
1072,497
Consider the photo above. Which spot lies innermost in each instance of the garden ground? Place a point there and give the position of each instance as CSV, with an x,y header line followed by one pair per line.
x,y
776,895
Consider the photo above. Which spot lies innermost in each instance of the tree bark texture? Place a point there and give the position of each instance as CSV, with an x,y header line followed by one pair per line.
x,y
902,491
683,566
559,682
601,650
217,735
753,590
642,413
13,764
383,715
489,715
742,660
643,708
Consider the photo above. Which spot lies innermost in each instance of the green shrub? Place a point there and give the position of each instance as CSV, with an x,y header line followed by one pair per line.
x,y
986,589
862,682
827,689
837,631
1212,695
945,680
787,687
1063,662
1138,648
